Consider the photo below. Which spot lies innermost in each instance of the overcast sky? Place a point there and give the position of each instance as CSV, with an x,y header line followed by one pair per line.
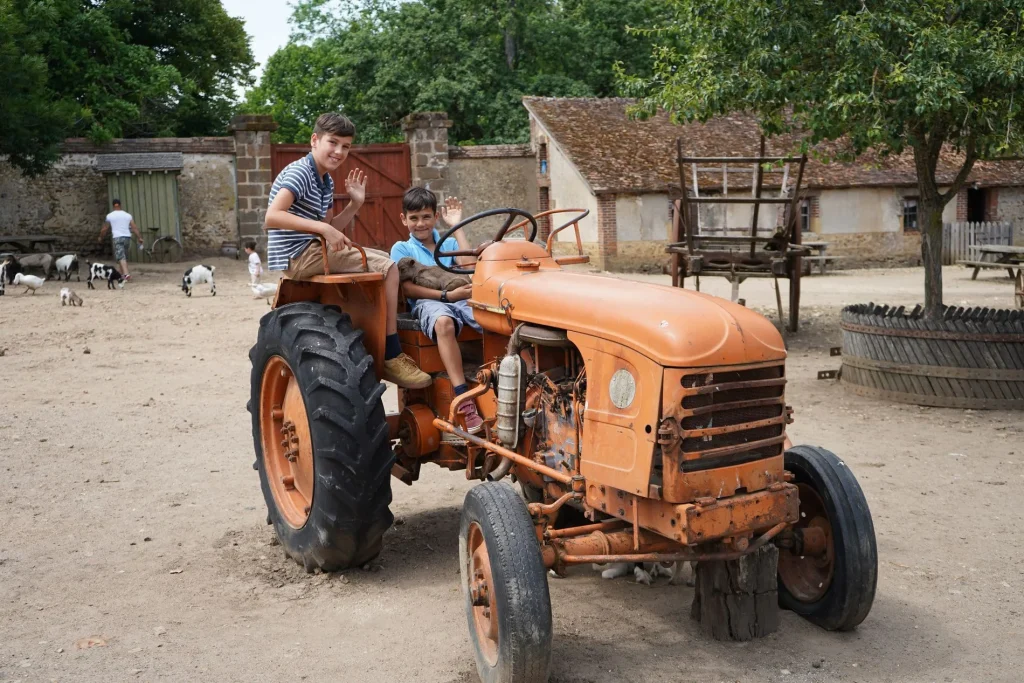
x,y
266,21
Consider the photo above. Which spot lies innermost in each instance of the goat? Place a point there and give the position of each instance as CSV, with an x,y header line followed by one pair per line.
x,y
3,278
12,268
32,282
431,277
66,264
43,262
68,297
197,275
99,271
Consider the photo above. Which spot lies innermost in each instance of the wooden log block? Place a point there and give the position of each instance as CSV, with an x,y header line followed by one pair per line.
x,y
738,599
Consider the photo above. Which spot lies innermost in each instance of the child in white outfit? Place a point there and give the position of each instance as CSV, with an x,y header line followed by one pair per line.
x,y
255,267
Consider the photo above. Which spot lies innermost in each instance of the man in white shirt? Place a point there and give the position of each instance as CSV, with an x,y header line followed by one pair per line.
x,y
122,226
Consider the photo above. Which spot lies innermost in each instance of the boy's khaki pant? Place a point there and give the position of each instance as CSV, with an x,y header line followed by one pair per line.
x,y
311,262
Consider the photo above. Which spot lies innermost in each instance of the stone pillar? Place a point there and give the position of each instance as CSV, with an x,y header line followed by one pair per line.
x,y
427,136
607,230
252,172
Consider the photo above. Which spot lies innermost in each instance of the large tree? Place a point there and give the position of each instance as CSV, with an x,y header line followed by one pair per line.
x,y
115,68
885,75
475,59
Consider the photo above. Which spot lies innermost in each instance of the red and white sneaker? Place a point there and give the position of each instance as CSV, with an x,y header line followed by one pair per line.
x,y
471,417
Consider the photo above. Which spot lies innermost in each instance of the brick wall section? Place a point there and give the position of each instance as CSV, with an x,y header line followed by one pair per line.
x,y
961,205
607,226
426,133
252,163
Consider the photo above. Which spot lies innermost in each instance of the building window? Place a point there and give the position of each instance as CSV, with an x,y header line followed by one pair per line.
x,y
910,215
805,215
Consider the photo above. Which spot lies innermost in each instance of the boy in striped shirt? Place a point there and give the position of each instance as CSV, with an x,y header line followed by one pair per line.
x,y
301,198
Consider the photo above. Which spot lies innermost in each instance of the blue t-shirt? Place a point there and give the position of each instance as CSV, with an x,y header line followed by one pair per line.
x,y
413,248
314,197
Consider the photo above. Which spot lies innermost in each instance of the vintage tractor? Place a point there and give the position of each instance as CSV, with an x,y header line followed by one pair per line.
x,y
643,423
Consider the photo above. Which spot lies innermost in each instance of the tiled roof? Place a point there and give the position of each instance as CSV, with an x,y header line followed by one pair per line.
x,y
616,154
148,161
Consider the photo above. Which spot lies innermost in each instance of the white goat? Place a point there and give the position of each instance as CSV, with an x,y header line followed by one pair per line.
x,y
197,275
68,297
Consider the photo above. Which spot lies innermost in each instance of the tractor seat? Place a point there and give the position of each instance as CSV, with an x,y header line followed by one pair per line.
x,y
408,322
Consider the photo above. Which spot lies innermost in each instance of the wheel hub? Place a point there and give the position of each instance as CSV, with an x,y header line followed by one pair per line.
x,y
485,615
287,446
807,567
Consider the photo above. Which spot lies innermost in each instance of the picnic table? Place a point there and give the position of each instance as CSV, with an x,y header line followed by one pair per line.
x,y
1001,256
998,256
819,256
29,243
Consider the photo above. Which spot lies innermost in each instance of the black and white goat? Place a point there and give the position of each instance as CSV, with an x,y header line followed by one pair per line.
x,y
197,275
66,264
99,271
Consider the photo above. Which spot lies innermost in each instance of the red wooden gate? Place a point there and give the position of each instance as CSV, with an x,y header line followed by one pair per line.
x,y
389,172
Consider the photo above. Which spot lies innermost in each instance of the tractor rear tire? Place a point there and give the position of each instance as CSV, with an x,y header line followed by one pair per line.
x,y
836,590
333,402
505,587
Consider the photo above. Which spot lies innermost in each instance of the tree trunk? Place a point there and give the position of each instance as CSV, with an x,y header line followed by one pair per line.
x,y
738,599
930,221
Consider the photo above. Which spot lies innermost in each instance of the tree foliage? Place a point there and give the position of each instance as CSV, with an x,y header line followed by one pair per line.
x,y
474,59
881,74
115,68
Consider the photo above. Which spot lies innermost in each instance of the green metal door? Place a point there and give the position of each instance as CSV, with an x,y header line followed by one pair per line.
x,y
151,197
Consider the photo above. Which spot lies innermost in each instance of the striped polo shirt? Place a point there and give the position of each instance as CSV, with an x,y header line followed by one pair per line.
x,y
314,197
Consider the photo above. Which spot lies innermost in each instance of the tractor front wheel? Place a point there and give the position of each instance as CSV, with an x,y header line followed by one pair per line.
x,y
505,587
829,578
321,437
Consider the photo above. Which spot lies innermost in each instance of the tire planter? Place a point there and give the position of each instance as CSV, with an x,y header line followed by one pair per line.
x,y
970,358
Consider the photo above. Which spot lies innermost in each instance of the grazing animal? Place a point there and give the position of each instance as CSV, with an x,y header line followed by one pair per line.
x,y
431,277
42,262
66,264
263,291
32,282
11,268
197,275
99,271
69,298
3,277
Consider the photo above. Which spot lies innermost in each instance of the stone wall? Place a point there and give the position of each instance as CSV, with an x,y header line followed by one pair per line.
x,y
492,177
70,200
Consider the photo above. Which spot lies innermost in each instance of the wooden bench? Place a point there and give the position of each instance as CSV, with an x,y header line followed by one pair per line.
x,y
978,265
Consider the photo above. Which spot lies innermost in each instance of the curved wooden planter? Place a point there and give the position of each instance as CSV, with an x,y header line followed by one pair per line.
x,y
971,358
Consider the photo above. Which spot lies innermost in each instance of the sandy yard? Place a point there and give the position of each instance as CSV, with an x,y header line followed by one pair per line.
x,y
131,513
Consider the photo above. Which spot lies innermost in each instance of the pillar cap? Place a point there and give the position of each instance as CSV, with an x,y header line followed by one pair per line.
x,y
426,119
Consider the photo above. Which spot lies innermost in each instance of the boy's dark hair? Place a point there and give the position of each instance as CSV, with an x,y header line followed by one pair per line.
x,y
249,244
116,201
417,199
332,123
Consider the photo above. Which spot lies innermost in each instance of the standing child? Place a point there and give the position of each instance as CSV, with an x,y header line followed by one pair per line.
x,y
441,313
255,267
300,199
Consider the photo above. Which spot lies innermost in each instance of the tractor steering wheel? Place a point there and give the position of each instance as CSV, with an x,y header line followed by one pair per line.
x,y
512,215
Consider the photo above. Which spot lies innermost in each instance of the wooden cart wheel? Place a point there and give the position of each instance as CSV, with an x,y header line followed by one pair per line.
x,y
508,608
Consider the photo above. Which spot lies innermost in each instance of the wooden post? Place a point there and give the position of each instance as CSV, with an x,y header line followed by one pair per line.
x,y
684,199
757,195
738,599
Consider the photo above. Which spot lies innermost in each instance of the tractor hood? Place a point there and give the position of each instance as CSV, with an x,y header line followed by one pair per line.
x,y
672,326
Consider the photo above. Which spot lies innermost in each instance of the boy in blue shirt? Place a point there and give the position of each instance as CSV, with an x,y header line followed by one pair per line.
x,y
300,199
441,314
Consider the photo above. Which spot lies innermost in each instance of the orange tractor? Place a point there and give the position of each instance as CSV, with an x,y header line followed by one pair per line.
x,y
643,423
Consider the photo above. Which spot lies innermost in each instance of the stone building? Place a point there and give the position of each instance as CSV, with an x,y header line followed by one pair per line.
x,y
590,155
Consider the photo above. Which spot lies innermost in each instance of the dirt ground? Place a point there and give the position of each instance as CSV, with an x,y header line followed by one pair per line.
x,y
131,514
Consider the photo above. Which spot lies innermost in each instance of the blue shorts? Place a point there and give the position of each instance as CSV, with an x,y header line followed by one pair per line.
x,y
427,311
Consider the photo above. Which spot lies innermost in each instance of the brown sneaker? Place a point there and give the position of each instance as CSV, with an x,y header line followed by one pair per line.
x,y
402,371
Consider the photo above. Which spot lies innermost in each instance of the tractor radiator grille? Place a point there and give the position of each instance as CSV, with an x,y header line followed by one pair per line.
x,y
732,417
